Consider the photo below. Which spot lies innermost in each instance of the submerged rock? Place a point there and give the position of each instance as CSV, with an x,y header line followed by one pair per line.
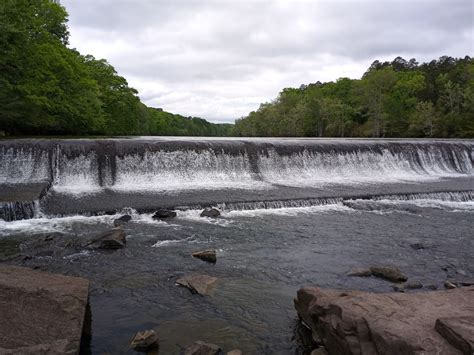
x,y
210,212
319,351
206,255
360,272
417,246
197,283
41,312
202,348
122,220
378,323
388,273
146,340
111,239
164,214
407,286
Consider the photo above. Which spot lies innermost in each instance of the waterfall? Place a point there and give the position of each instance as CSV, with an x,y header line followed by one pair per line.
x,y
161,166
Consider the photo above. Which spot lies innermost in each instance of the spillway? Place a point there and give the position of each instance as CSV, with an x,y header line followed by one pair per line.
x,y
147,173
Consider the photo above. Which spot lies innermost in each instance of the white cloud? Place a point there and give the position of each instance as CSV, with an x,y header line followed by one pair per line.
x,y
221,59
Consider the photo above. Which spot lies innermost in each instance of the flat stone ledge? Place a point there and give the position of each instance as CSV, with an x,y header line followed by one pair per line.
x,y
42,313
354,322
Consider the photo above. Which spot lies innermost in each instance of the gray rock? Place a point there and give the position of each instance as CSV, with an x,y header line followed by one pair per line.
x,y
360,272
197,283
449,285
146,340
111,239
388,273
407,286
382,323
202,348
206,255
122,220
210,212
458,331
431,287
164,214
41,312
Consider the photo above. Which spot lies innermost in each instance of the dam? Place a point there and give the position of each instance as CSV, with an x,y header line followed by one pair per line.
x,y
96,176
294,213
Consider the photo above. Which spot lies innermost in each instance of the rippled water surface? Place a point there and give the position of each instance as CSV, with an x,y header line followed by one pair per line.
x,y
264,256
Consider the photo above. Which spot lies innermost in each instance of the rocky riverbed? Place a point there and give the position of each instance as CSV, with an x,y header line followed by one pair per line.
x,y
262,258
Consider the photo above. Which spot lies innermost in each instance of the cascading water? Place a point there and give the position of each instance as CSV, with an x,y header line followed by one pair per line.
x,y
287,169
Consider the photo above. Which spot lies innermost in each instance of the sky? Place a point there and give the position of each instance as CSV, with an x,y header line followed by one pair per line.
x,y
219,59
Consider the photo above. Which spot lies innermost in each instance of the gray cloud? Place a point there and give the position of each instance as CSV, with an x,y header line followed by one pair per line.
x,y
220,59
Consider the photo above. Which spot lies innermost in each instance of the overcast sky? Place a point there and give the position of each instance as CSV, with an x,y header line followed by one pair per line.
x,y
220,59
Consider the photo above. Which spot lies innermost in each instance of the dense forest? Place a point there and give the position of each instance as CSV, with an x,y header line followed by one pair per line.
x,y
47,88
393,99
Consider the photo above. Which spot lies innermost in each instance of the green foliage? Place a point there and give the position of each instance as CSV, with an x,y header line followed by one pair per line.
x,y
393,99
48,88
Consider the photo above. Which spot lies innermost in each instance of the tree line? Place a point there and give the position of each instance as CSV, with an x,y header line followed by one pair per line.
x,y
47,88
401,98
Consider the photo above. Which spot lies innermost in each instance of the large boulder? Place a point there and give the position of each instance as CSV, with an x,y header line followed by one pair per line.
x,y
206,255
164,214
41,313
354,322
459,332
111,239
202,348
197,283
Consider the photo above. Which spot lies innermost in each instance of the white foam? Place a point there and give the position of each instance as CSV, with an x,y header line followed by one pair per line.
x,y
195,216
309,169
288,211
184,170
23,165
450,206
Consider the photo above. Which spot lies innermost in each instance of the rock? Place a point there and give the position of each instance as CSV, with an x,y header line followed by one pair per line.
x,y
164,214
235,352
458,331
210,212
201,348
111,239
41,312
431,287
461,272
319,351
206,255
197,283
466,283
407,286
388,273
382,323
449,285
146,340
417,246
361,272
122,220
